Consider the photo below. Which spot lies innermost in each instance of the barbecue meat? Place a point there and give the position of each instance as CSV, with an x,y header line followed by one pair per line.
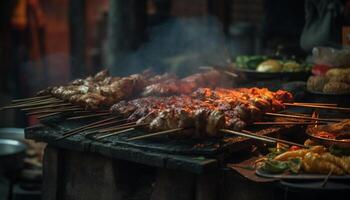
x,y
184,86
215,122
205,111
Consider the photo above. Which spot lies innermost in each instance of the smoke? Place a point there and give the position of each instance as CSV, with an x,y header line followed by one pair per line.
x,y
180,45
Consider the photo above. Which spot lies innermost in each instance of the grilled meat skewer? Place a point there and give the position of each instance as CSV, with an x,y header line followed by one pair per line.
x,y
223,108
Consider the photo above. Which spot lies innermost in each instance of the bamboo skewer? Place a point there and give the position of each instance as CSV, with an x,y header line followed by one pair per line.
x,y
54,111
94,126
117,128
35,101
85,129
231,74
276,139
301,117
261,138
90,111
48,115
114,133
289,123
33,104
31,98
318,106
91,124
88,116
156,134
212,68
48,106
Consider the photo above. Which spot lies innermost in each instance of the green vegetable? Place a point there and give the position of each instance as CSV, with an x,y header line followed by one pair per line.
x,y
274,166
294,165
249,62
265,64
277,167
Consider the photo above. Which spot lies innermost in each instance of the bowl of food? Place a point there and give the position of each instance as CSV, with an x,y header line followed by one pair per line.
x,y
336,134
265,67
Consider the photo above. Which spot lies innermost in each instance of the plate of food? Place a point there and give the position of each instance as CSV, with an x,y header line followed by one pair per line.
x,y
265,67
315,162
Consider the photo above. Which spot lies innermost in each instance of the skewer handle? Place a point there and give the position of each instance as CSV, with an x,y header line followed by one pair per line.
x,y
261,138
301,117
114,133
155,134
318,106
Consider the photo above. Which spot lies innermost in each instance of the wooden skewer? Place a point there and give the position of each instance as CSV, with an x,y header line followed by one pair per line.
x,y
48,106
155,134
277,140
31,98
90,111
225,71
116,128
48,115
14,105
231,74
94,126
289,123
318,106
114,133
91,124
89,116
33,104
301,117
54,111
85,129
119,127
35,101
261,138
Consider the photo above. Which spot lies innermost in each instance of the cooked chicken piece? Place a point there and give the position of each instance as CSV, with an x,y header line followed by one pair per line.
x,y
215,122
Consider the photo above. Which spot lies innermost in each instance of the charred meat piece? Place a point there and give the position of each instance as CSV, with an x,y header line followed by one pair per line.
x,y
183,86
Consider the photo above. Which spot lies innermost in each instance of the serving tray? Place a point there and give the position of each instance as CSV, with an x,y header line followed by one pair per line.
x,y
301,176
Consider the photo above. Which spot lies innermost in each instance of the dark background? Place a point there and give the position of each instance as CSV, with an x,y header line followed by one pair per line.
x,y
49,42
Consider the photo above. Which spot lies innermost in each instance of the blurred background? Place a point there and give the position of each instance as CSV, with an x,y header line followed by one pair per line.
x,y
49,42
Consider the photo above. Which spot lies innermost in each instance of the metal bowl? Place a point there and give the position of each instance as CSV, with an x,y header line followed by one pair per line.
x,y
341,143
12,153
255,75
12,133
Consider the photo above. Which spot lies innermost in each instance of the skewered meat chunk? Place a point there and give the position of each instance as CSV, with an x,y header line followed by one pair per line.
x,y
216,121
205,111
103,90
185,85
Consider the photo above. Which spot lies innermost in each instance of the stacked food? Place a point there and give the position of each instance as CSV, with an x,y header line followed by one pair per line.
x,y
334,81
